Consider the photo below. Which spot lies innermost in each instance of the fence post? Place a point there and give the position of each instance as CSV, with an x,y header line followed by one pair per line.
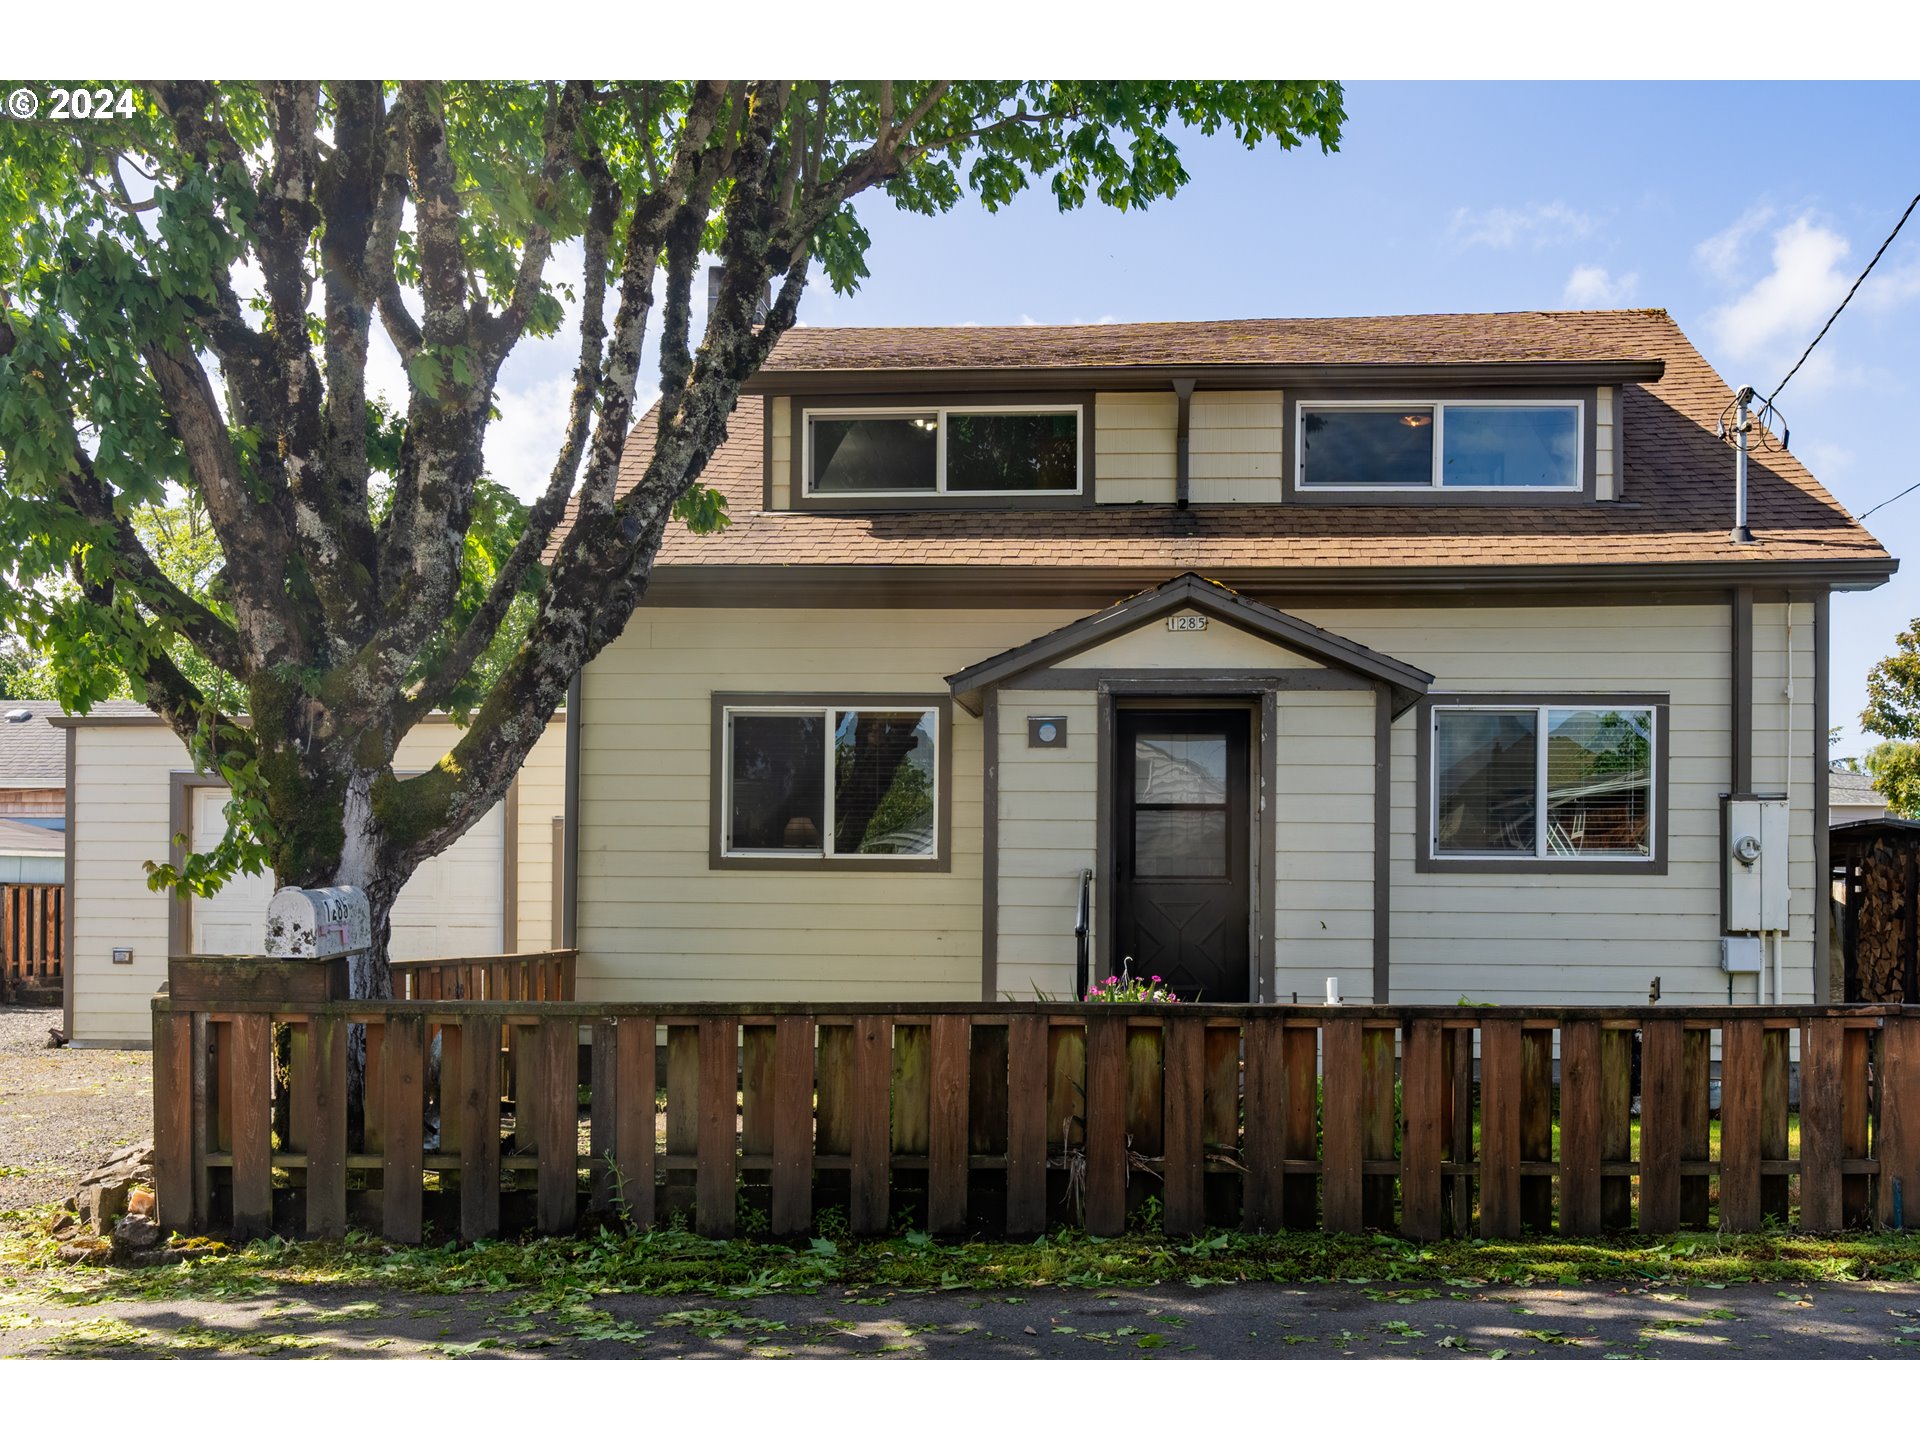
x,y
173,1105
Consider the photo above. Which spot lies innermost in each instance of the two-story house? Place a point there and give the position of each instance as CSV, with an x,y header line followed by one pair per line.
x,y
1412,653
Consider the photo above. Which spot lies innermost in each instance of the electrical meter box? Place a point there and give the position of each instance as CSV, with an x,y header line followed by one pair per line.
x,y
1758,892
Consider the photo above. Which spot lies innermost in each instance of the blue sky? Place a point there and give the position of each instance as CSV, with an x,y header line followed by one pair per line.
x,y
1744,209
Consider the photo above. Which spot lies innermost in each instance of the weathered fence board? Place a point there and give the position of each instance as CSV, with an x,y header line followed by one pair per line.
x,y
1273,1117
792,1127
1026,1125
1580,1109
479,1096
1343,1101
1740,1059
405,1114
1184,1148
250,1053
714,1205
1106,1112
635,1137
1423,1073
868,1157
33,929
947,1166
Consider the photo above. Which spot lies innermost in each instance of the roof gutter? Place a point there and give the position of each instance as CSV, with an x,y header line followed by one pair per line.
x,y
1001,586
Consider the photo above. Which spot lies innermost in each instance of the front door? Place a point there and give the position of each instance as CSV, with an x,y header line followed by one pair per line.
x,y
1181,865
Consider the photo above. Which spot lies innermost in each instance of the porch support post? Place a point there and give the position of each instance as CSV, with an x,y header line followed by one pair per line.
x,y
1822,853
1382,840
990,845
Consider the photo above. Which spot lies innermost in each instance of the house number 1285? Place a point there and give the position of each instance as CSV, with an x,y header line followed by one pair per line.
x,y
1186,622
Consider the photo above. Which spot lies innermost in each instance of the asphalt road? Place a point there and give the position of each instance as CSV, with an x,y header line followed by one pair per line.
x,y
1250,1321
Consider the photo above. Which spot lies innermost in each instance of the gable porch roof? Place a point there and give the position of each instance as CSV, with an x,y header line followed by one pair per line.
x,y
1193,592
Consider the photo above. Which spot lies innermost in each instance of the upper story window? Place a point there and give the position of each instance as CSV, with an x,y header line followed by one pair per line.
x,y
1454,445
944,450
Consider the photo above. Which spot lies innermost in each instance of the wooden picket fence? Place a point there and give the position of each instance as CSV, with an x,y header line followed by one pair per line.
x,y
1012,1119
533,975
33,932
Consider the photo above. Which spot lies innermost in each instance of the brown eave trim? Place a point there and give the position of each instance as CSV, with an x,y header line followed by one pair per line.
x,y
1013,586
1206,377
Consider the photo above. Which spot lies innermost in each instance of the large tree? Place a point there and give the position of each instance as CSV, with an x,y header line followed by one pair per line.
x,y
1893,713
191,287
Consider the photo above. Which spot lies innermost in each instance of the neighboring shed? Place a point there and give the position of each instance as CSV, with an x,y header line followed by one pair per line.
x,y
31,854
1877,869
1851,796
134,789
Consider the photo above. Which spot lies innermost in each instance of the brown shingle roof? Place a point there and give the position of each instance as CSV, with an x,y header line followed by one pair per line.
x,y
1676,477
1365,340
33,754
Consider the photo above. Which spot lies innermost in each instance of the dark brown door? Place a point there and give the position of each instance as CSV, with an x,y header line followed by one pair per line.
x,y
1180,852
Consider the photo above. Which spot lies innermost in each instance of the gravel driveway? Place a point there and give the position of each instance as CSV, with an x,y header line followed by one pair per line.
x,y
62,1111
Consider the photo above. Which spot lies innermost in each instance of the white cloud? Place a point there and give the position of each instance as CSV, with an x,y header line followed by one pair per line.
x,y
1592,287
1793,299
1721,253
1828,461
1538,224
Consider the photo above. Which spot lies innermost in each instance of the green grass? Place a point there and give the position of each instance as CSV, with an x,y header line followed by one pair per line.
x,y
673,1261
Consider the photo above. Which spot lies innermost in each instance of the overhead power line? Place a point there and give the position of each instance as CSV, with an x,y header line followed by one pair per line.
x,y
1843,303
1890,499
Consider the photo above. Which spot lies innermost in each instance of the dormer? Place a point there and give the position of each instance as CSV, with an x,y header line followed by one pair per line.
x,y
1044,419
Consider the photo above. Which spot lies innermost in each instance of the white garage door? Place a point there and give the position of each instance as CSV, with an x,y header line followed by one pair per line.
x,y
451,906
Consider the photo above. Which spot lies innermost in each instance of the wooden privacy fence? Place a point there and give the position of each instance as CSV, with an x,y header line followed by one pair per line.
x,y
533,975
32,936
1015,1118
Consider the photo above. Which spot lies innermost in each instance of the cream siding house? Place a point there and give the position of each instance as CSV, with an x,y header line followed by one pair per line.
x,y
1171,628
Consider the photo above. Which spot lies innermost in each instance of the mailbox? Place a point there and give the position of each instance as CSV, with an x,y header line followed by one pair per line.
x,y
315,924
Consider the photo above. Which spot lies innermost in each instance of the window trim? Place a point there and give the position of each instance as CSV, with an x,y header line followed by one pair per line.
x,y
1425,861
1439,407
725,704
805,496
1586,398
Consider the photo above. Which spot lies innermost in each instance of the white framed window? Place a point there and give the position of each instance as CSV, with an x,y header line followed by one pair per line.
x,y
1414,446
1543,783
903,451
852,781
